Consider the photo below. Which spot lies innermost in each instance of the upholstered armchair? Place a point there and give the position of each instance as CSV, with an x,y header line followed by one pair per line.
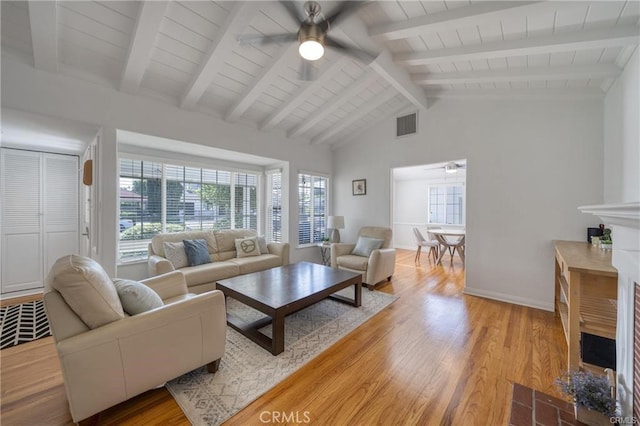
x,y
108,355
371,255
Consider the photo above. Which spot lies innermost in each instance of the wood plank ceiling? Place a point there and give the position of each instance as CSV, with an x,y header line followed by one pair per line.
x,y
186,53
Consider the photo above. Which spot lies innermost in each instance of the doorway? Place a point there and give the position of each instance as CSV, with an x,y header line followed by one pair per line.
x,y
427,195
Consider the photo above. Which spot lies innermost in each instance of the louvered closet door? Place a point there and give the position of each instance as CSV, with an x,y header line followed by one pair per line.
x,y
22,259
60,207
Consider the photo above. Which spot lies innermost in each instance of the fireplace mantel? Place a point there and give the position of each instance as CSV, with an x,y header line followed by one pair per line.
x,y
626,214
624,220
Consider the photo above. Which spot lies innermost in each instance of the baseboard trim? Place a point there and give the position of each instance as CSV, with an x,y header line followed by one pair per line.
x,y
531,303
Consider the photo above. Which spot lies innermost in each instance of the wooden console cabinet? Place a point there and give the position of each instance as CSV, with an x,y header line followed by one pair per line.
x,y
586,288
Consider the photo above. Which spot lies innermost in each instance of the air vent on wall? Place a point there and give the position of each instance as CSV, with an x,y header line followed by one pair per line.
x,y
407,124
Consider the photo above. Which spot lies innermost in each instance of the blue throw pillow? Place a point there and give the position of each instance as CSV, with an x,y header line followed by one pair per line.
x,y
197,253
366,245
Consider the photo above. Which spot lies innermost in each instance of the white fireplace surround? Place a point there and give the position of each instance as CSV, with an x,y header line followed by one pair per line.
x,y
624,221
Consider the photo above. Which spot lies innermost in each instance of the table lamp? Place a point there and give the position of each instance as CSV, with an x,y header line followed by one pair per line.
x,y
334,223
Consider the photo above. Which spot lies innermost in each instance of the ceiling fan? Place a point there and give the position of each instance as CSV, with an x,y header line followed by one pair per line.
x,y
453,167
312,35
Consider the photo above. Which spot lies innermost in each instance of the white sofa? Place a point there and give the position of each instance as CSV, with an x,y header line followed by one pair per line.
x,y
225,262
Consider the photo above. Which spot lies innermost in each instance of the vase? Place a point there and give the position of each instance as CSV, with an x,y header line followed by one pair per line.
x,y
590,417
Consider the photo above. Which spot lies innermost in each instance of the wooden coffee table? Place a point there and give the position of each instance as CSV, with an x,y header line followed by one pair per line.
x,y
281,291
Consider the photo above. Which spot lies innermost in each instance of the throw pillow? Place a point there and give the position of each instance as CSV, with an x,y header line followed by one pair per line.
x,y
262,243
247,247
197,253
136,297
176,254
87,289
366,245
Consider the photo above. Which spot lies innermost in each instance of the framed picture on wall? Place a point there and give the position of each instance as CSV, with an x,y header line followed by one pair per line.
x,y
359,187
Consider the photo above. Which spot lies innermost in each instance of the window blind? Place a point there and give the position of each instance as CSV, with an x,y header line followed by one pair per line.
x,y
156,197
312,208
273,228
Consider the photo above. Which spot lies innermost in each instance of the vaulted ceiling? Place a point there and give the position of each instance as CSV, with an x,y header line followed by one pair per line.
x,y
187,53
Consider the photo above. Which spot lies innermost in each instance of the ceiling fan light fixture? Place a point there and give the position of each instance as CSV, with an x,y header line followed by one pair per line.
x,y
451,168
311,50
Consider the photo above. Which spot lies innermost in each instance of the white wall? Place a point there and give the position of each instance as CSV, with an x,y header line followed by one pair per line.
x,y
27,89
530,164
622,136
410,207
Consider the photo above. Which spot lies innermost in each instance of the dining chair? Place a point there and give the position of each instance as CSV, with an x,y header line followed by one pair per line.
x,y
432,243
452,249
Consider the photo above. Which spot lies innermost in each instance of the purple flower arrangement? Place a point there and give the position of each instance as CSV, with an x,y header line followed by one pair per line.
x,y
589,390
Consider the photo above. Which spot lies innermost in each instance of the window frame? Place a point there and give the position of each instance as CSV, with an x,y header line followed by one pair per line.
x,y
271,193
463,207
313,175
163,162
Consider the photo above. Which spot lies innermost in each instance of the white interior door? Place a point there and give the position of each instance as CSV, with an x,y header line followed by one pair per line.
x,y
22,262
39,194
60,207
87,208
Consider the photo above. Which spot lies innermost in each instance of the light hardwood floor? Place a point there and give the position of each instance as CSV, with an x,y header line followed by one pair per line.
x,y
434,357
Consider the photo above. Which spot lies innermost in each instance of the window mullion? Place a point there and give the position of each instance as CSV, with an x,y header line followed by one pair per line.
x,y
312,212
163,199
233,200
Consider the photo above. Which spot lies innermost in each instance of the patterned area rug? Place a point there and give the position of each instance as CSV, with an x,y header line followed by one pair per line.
x,y
247,371
23,323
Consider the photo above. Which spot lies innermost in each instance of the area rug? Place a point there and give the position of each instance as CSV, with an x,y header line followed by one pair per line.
x,y
23,323
248,371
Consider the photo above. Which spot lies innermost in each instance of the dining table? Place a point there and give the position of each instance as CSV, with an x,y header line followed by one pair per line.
x,y
450,239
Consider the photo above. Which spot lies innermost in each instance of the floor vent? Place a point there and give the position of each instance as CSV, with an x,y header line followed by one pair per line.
x,y
407,125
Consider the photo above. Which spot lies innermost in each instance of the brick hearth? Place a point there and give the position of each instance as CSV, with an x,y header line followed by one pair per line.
x,y
533,408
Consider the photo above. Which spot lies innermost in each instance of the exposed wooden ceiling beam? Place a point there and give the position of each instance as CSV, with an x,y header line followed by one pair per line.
x,y
302,95
399,79
360,84
355,32
150,16
580,40
567,93
362,112
234,24
519,74
270,72
454,18
43,18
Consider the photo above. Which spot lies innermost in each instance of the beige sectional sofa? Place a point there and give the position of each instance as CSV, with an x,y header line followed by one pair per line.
x,y
225,263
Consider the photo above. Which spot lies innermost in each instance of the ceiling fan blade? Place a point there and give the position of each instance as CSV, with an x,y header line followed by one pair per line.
x,y
361,54
267,39
345,9
294,11
306,72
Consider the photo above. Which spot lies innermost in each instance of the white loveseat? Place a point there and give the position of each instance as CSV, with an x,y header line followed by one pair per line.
x,y
225,263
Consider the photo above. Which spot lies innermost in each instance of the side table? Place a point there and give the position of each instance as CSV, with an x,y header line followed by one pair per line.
x,y
325,252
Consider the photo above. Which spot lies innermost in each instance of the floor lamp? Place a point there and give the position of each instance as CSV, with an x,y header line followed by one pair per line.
x,y
334,223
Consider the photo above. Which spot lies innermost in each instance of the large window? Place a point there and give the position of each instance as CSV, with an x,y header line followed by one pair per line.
x,y
157,197
273,228
312,208
446,204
